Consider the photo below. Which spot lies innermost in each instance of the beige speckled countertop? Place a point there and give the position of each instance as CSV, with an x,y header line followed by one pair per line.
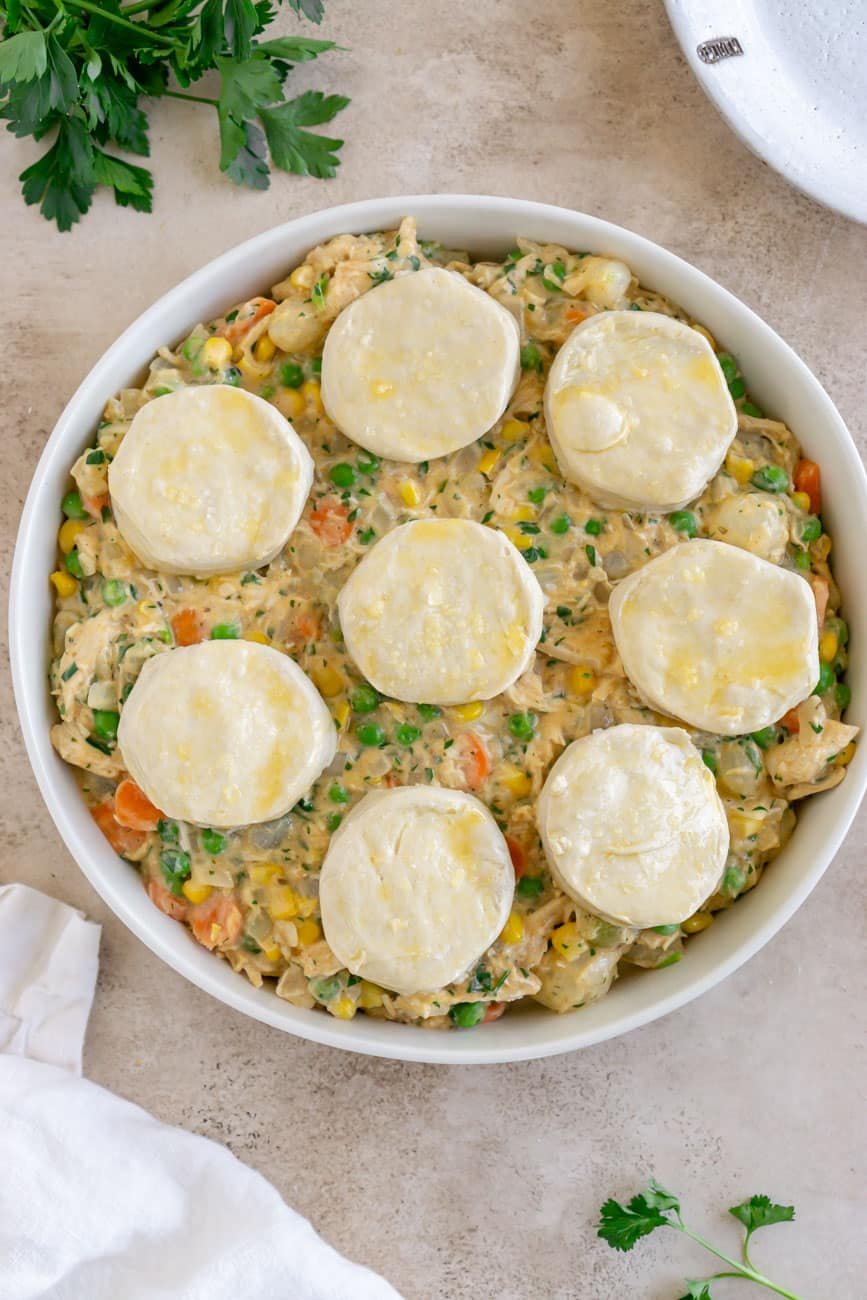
x,y
483,1184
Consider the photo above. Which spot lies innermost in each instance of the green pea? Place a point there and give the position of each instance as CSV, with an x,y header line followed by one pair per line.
x,y
371,733
665,929
225,632
802,560
72,506
316,366
811,529
529,887
342,475
531,357
684,521
467,1014
332,821
561,524
843,695
73,564
771,478
733,881
827,677
708,757
338,793
407,734
522,725
213,842
594,527
364,699
325,990
750,408
175,866
114,592
105,723
670,959
169,832
291,375
428,711
728,365
232,377
537,495
737,388
368,464
765,737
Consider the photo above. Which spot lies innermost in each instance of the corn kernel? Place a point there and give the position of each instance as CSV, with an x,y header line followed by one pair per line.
x,y
706,334
271,952
543,454
409,493
513,931
291,403
514,780
469,712
217,353
522,515
740,467
488,460
250,368
196,893
258,637
567,940
582,682
328,681
312,392
282,903
512,430
343,1008
695,924
64,583
342,713
369,996
801,500
309,932
519,539
303,277
844,758
264,349
828,646
68,533
262,873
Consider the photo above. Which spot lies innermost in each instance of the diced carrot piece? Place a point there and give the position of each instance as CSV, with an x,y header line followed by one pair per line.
x,y
306,627
248,316
575,315
808,478
165,900
518,855
330,522
188,627
217,920
95,505
475,760
791,722
122,839
493,1011
133,809
820,595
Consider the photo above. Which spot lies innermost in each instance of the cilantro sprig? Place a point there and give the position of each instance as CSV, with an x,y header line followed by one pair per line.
x,y
76,73
622,1226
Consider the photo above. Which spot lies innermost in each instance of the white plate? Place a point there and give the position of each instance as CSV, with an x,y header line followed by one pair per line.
x,y
779,381
790,78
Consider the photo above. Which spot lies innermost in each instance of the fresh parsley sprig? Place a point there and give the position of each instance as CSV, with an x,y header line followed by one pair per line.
x,y
623,1225
79,70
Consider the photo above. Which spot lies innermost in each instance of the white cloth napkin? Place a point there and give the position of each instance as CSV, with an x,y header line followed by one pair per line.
x,y
99,1200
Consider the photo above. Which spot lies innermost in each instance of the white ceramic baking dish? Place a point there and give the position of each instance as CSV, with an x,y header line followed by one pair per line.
x,y
779,381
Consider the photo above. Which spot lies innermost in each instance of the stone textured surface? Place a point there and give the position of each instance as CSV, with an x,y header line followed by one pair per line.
x,y
484,1183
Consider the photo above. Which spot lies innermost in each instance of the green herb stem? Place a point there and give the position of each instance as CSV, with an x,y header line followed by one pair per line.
x,y
138,28
741,1270
194,99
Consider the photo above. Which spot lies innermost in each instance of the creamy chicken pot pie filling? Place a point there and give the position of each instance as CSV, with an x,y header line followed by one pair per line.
x,y
251,894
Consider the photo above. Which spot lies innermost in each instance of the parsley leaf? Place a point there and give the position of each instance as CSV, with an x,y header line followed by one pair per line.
x,y
132,185
299,151
241,23
623,1225
62,181
312,9
295,49
761,1212
23,57
245,152
699,1289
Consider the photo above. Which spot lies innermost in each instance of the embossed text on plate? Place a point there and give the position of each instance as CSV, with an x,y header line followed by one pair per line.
x,y
721,47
